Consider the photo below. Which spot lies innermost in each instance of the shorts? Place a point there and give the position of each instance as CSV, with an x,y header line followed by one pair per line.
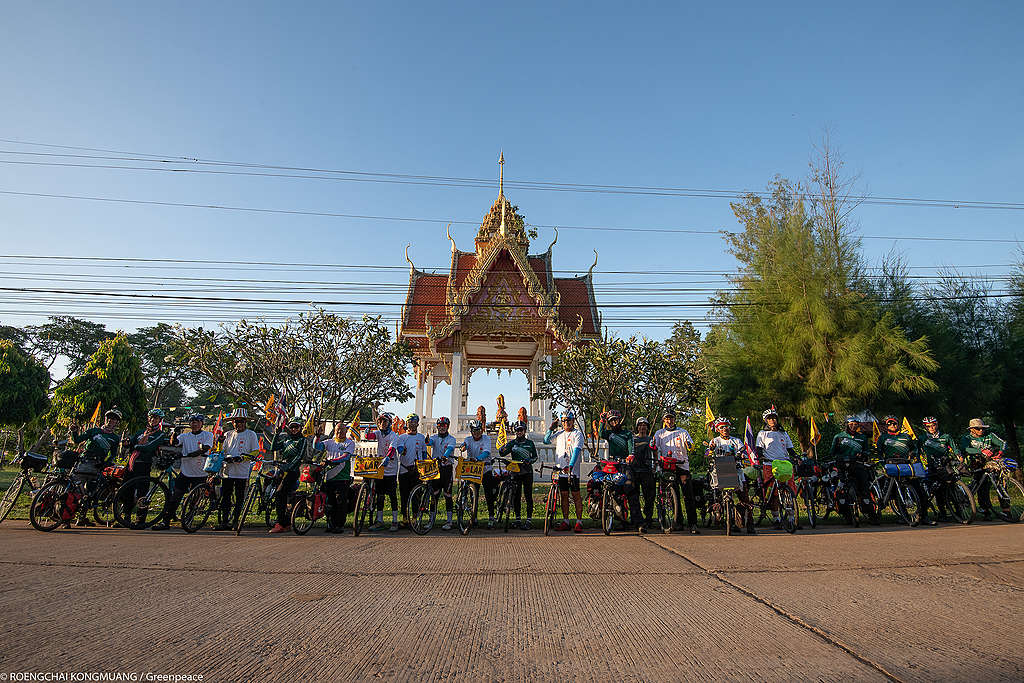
x,y
569,483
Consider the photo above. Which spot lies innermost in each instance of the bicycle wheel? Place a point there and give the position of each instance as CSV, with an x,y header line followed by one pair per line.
x,y
103,508
961,502
505,506
360,512
302,514
728,513
788,511
421,519
607,510
196,507
761,501
46,512
1011,499
667,503
250,499
465,506
549,509
907,505
141,502
11,496
812,503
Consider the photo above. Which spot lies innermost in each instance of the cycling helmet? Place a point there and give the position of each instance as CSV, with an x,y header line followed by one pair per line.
x,y
156,412
768,413
569,415
643,421
517,426
929,421
850,418
669,413
238,413
387,417
295,421
475,424
615,414
443,421
890,418
194,417
412,416
115,413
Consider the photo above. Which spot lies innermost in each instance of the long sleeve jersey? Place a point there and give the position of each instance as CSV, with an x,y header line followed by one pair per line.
x,y
522,450
442,448
620,442
938,448
146,445
100,445
974,447
479,449
848,447
896,447
568,448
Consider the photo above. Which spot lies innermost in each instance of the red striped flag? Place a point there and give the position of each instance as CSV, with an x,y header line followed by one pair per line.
x,y
748,443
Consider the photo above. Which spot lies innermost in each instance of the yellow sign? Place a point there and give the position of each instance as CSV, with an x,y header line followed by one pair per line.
x,y
428,469
512,467
471,470
368,468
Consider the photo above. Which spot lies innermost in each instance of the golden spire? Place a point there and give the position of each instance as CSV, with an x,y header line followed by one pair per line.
x,y
501,188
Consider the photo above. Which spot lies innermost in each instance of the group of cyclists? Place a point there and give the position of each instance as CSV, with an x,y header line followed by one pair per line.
x,y
645,464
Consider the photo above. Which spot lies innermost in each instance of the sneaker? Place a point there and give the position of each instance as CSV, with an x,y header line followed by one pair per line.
x,y
929,522
279,529
641,529
526,525
447,526
578,529
694,530
162,526
562,526
393,528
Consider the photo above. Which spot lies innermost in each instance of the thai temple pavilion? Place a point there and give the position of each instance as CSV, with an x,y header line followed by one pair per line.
x,y
497,307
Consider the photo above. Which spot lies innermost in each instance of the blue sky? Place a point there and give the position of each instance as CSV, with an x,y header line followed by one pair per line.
x,y
923,100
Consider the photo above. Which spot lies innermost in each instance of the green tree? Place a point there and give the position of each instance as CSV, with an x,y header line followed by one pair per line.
x,y
23,386
799,329
163,363
14,334
64,336
112,376
330,366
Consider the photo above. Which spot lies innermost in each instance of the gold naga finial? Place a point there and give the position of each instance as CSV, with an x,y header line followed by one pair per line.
x,y
501,188
590,273
412,268
448,231
554,240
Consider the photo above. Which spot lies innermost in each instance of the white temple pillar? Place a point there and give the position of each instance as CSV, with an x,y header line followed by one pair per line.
x,y
456,381
428,407
545,407
418,409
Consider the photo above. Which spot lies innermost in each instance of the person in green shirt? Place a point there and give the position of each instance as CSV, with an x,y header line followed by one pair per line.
x,y
101,443
851,450
523,451
289,447
620,449
938,449
897,446
979,446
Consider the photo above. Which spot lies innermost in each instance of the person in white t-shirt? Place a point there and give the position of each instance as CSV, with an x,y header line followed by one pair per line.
x,y
477,446
236,443
569,444
387,448
412,446
726,444
674,442
773,444
338,478
195,445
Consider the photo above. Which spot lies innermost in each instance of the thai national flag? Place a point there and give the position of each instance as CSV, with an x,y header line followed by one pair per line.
x,y
282,410
748,443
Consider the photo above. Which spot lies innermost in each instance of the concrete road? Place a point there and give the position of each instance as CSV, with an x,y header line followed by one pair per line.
x,y
891,603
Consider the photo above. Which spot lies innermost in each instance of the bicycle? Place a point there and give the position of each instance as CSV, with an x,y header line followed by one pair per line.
x,y
891,489
260,492
366,469
142,501
550,500
774,486
945,483
998,471
30,462
809,488
505,471
725,482
311,504
611,503
469,475
77,486
666,498
202,499
423,498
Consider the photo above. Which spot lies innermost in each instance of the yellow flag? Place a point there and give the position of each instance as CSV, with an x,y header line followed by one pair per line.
x,y
310,427
502,436
815,434
95,419
268,407
354,427
908,429
709,417
875,433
